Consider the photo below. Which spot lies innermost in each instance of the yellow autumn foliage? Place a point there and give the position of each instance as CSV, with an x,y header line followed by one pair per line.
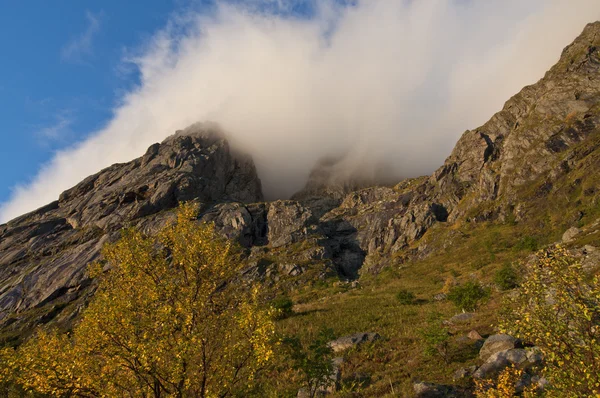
x,y
170,318
557,308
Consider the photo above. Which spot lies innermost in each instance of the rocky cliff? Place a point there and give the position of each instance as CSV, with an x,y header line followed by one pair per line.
x,y
535,161
44,254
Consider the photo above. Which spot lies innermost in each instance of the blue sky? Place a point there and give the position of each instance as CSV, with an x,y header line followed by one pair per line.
x,y
64,68
61,72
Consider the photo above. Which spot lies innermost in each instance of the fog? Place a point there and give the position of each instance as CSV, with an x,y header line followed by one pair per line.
x,y
392,82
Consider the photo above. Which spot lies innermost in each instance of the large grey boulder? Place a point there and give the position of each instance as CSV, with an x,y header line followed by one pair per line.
x,y
497,343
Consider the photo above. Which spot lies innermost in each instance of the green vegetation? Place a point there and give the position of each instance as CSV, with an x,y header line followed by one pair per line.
x,y
283,307
506,277
436,337
314,361
406,297
467,297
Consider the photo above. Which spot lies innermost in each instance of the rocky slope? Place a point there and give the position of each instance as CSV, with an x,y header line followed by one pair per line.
x,y
537,157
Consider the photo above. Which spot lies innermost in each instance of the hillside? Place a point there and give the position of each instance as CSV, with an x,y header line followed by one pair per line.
x,y
342,252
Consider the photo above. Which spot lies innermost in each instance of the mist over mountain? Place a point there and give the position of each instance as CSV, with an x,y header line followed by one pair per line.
x,y
386,84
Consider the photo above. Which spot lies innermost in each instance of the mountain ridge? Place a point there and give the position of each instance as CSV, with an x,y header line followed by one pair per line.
x,y
544,134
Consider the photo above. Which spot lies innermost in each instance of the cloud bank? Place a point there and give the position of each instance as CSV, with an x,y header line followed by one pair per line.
x,y
396,81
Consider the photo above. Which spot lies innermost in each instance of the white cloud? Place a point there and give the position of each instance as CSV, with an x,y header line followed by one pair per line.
x,y
387,80
57,131
81,46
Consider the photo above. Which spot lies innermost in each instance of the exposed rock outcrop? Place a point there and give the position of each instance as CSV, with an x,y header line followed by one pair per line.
x,y
44,254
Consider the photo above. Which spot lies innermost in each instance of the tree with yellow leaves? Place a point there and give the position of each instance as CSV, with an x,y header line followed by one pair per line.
x,y
558,309
171,317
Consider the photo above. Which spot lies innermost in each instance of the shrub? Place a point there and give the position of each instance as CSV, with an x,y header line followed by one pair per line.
x,y
314,361
506,277
557,308
467,297
529,243
436,337
283,307
504,386
406,297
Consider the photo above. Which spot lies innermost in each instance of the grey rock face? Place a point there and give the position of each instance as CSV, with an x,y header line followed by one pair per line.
x,y
44,254
288,222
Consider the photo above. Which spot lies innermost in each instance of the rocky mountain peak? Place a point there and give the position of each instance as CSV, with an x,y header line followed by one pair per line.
x,y
44,254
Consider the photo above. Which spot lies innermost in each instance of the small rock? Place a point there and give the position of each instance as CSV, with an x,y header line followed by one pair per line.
x,y
497,343
343,343
464,317
589,249
473,335
430,390
464,373
570,234
440,297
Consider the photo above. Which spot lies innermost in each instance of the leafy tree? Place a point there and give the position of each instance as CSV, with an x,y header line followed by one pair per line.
x,y
314,362
169,318
558,310
436,337
467,297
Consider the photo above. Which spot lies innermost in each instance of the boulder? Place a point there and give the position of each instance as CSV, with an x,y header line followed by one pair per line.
x,y
497,343
460,318
343,343
570,234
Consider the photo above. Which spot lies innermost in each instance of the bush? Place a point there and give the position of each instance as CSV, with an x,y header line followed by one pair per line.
x,y
506,277
406,297
468,296
436,337
314,362
529,243
557,308
283,307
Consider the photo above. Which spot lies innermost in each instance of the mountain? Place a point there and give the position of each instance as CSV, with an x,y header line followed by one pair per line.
x,y
535,164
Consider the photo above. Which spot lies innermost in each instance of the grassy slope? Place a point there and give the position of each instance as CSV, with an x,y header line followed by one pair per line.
x,y
465,251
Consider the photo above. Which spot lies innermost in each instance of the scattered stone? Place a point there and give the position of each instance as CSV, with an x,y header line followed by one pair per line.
x,y
343,343
497,343
430,390
460,318
440,297
464,373
570,234
474,335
